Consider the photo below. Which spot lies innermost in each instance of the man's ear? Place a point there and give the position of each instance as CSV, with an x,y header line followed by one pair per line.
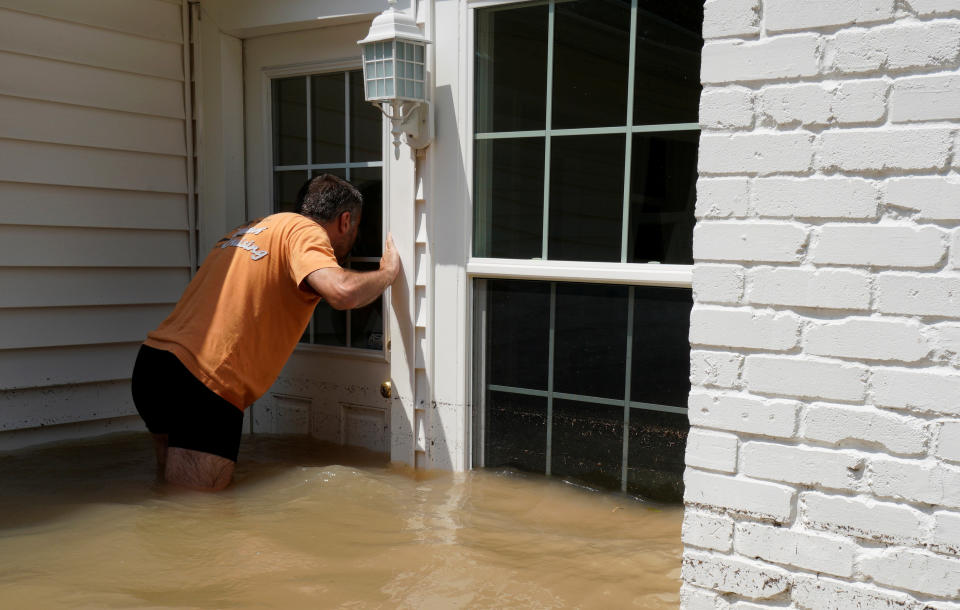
x,y
343,222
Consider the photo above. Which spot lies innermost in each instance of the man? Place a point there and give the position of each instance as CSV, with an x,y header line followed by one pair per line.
x,y
239,320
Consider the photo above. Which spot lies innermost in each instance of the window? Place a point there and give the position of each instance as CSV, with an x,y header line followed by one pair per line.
x,y
321,124
586,130
585,149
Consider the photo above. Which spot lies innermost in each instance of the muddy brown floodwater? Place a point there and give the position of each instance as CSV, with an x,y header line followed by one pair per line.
x,y
84,525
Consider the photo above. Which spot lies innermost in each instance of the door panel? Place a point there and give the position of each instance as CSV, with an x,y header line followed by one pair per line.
x,y
300,101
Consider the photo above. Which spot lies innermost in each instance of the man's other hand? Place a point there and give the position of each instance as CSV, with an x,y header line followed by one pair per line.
x,y
390,261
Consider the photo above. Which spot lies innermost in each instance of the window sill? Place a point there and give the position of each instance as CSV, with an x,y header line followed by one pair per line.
x,y
651,274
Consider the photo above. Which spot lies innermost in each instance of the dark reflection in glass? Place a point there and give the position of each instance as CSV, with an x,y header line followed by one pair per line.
x,y
590,345
663,194
327,118
655,455
518,333
587,443
366,124
286,185
667,70
511,68
329,325
366,323
509,198
661,348
369,181
586,197
516,432
590,63
290,121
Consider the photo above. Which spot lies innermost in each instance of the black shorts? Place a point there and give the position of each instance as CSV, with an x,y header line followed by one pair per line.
x,y
172,401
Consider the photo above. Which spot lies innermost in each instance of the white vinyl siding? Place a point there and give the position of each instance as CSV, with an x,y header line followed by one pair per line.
x,y
93,201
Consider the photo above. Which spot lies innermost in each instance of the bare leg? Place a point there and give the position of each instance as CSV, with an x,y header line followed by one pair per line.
x,y
160,448
198,470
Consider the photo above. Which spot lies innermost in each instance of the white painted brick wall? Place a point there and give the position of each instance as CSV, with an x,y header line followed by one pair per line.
x,y
743,328
802,465
928,197
824,452
718,283
867,339
772,242
783,15
823,288
866,519
870,150
708,530
719,369
712,450
817,552
731,18
843,424
878,245
914,571
722,197
780,57
805,377
762,153
819,198
925,98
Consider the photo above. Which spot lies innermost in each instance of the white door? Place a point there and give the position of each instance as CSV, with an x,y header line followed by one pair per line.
x,y
305,115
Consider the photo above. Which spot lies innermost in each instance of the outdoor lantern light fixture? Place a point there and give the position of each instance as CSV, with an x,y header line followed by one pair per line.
x,y
395,73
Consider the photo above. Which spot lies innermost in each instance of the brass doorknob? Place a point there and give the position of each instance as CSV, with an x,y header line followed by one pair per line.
x,y
386,389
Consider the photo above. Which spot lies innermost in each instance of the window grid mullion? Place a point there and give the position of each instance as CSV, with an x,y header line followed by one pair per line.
x,y
548,124
626,384
346,147
625,217
313,333
553,325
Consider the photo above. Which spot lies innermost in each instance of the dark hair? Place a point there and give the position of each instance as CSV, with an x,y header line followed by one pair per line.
x,y
326,197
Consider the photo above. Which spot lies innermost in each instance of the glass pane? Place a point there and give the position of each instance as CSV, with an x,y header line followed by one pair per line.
x,y
586,197
590,340
516,432
511,69
591,63
366,323
365,124
369,182
662,197
587,442
286,186
509,198
667,79
661,349
327,108
518,333
329,325
655,455
290,121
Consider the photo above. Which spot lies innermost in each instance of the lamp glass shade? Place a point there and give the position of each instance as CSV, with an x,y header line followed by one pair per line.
x,y
394,70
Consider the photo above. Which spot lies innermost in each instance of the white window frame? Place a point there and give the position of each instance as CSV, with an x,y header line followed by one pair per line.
x,y
632,274
308,69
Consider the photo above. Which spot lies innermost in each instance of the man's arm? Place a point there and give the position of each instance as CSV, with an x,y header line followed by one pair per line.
x,y
346,289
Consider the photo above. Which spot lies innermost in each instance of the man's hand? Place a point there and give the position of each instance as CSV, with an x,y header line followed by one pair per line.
x,y
390,261
346,289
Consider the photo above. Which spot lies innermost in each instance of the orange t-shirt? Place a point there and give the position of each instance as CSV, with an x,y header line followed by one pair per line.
x,y
244,312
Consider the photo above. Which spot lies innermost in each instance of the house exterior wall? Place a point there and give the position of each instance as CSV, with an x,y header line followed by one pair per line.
x,y
822,464
94,212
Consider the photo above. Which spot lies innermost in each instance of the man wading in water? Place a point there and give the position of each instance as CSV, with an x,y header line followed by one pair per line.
x,y
239,320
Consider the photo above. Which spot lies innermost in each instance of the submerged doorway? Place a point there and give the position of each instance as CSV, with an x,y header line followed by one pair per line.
x,y
305,115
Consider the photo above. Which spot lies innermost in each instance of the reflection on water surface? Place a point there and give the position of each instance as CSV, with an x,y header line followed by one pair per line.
x,y
84,525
